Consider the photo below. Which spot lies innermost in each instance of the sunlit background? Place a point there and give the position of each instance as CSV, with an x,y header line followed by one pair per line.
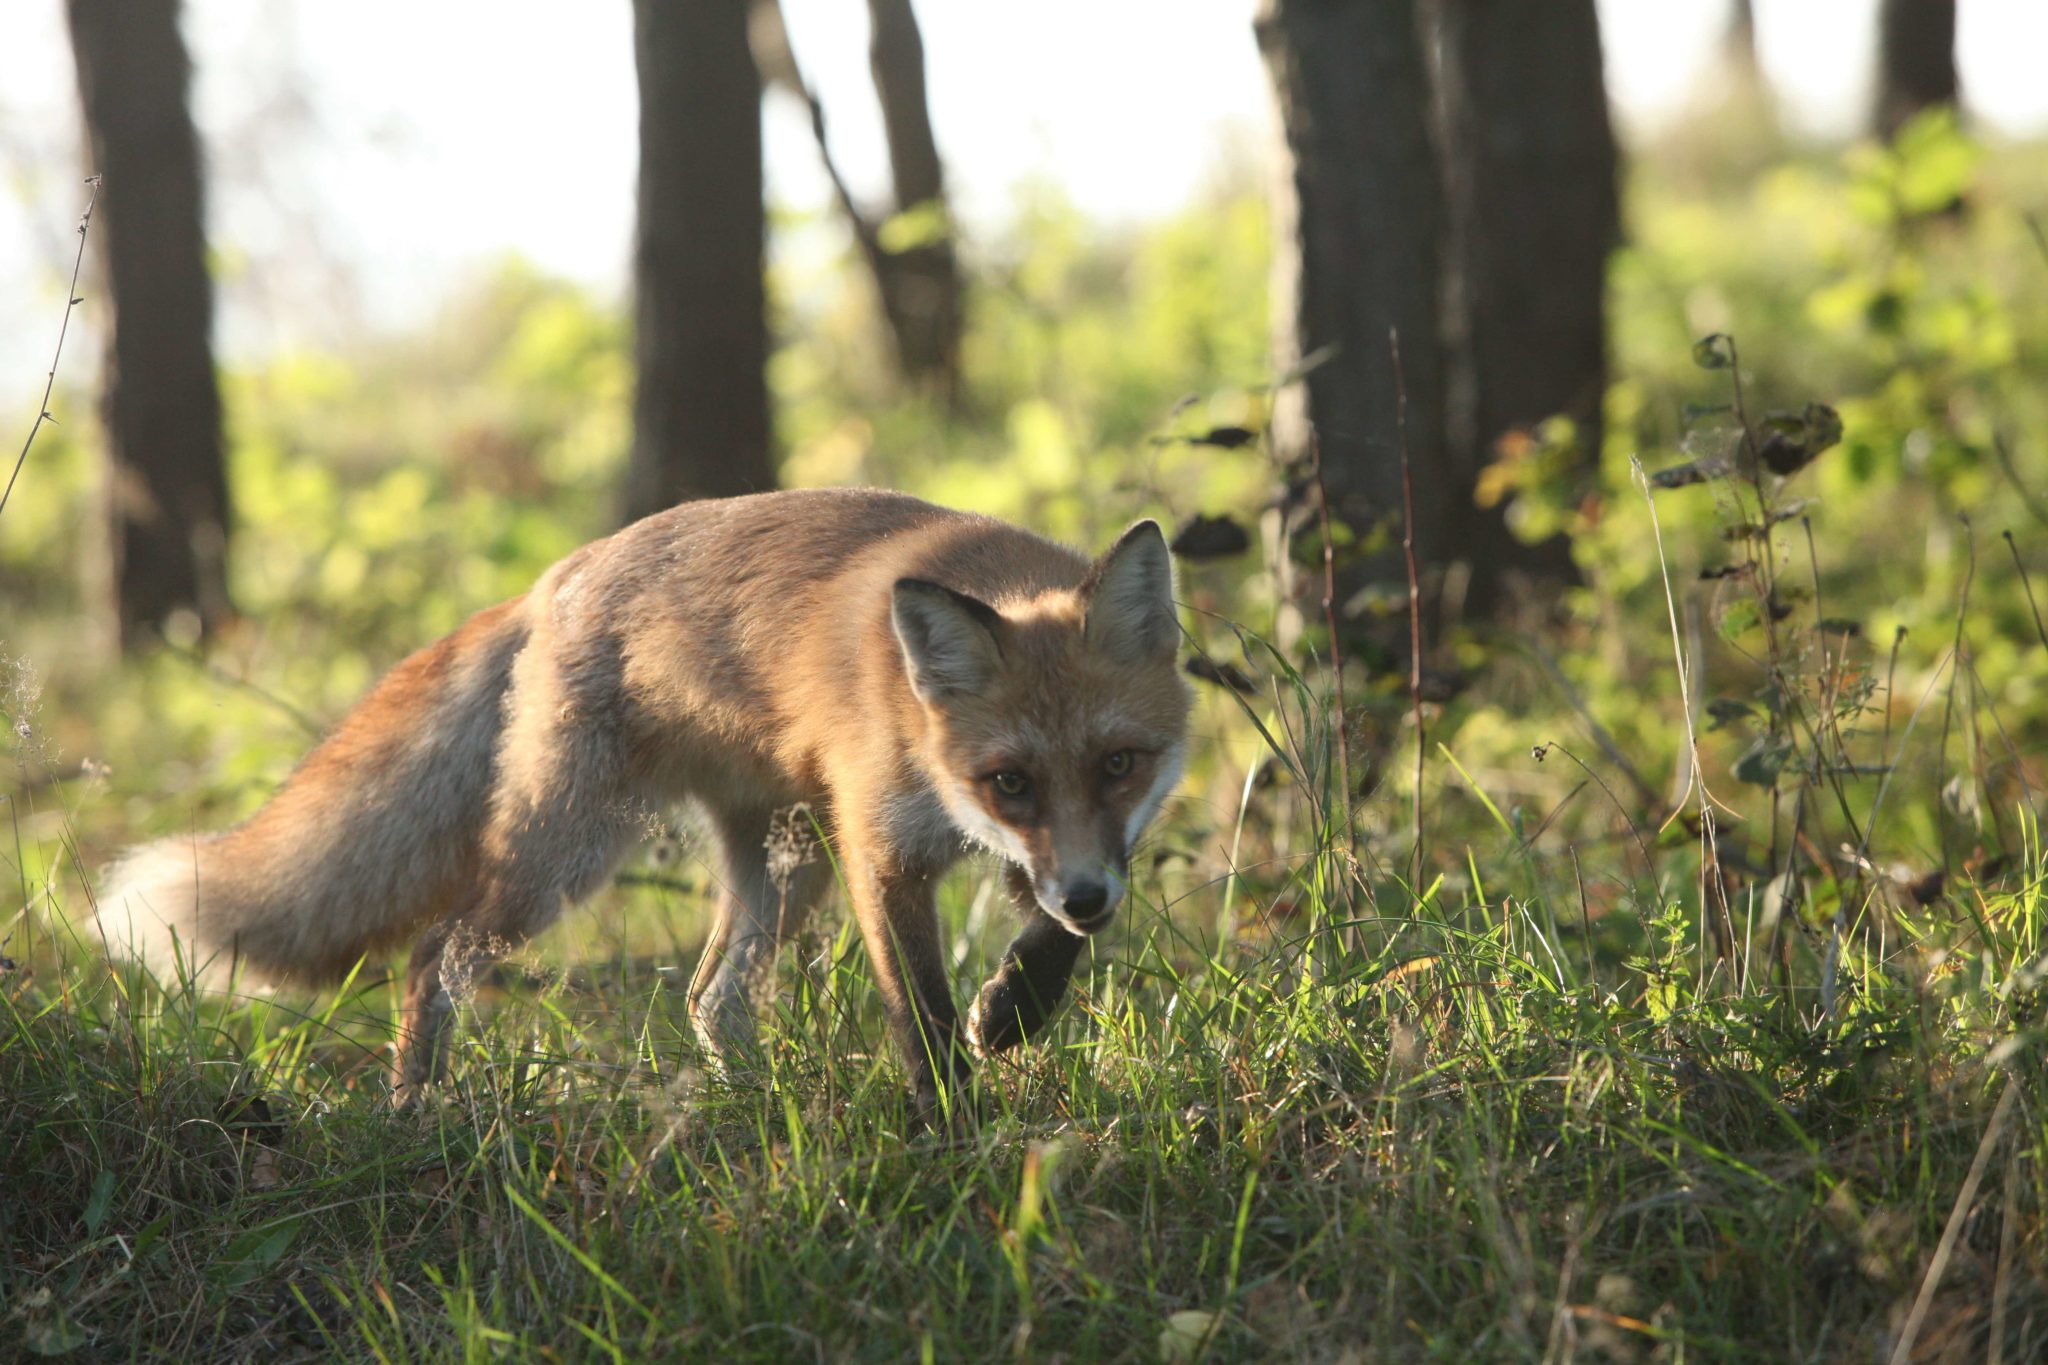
x,y
1616,928
365,158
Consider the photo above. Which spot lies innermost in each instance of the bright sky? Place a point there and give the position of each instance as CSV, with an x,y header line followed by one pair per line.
x,y
410,139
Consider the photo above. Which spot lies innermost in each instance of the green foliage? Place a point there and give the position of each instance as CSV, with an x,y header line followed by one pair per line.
x,y
1675,1029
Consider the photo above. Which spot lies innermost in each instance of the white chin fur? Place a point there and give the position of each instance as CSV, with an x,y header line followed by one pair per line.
x,y
1162,783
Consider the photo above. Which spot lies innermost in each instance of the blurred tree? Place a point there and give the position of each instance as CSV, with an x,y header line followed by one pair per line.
x,y
1738,42
701,424
168,504
920,284
1746,98
1740,104
909,248
1916,60
1530,165
1358,227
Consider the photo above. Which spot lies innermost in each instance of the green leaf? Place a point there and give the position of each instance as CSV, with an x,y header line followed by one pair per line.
x,y
1187,1334
151,1234
97,1201
1737,618
254,1252
1823,428
1715,351
1764,760
1936,162
920,225
1727,710
54,1336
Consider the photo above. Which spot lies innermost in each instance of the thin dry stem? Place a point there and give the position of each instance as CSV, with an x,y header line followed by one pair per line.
x,y
1414,594
1993,1131
50,381
1336,652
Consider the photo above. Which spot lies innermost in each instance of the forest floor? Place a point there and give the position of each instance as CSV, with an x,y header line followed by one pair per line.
x,y
1709,1028
1363,1131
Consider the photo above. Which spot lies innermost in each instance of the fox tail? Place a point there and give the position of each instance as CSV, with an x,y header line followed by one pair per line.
x,y
367,840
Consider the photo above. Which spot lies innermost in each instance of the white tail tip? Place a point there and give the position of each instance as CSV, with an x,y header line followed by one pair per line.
x,y
151,912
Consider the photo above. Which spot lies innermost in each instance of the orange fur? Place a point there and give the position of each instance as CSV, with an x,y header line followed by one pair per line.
x,y
876,657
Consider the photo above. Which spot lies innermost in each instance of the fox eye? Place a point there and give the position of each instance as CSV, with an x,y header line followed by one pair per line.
x,y
1119,763
1011,784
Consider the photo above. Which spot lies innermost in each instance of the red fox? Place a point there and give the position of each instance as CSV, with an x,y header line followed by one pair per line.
x,y
922,678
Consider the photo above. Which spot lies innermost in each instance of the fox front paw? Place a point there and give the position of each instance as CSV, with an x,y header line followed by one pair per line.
x,y
1008,1011
1026,990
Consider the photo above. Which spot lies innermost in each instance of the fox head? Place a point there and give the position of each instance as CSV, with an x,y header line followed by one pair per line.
x,y
1056,725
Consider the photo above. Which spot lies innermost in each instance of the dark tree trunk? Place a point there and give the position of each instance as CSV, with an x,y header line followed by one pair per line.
x,y
1743,101
1530,159
168,503
1358,227
1738,43
700,408
1916,60
919,284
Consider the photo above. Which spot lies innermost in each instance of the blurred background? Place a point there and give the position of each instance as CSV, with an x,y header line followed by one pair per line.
x,y
363,164
385,307
1605,448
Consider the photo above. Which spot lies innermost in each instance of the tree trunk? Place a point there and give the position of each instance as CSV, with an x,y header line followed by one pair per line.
x,y
1530,159
920,282
1916,60
917,281
168,490
1358,223
700,408
1738,43
1741,102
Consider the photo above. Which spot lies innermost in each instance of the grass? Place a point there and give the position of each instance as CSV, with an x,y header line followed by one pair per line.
x,y
1424,1131
1601,1086
1594,1085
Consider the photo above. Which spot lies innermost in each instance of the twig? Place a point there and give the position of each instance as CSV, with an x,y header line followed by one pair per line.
x,y
257,690
1967,1196
2008,1227
1336,650
1585,916
1414,593
1605,741
1948,710
1891,669
50,383
2012,476
1540,751
1692,739
1891,768
778,59
2028,584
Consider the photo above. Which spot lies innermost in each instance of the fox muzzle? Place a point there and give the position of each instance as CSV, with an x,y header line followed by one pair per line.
x,y
1082,905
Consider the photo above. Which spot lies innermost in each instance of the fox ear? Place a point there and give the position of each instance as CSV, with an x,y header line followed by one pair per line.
x,y
948,638
1130,598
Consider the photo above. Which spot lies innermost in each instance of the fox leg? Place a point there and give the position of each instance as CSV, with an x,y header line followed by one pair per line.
x,y
519,900
560,818
1027,987
423,1018
756,914
899,921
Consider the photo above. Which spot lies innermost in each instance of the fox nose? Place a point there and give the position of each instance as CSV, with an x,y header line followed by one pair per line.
x,y
1084,901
